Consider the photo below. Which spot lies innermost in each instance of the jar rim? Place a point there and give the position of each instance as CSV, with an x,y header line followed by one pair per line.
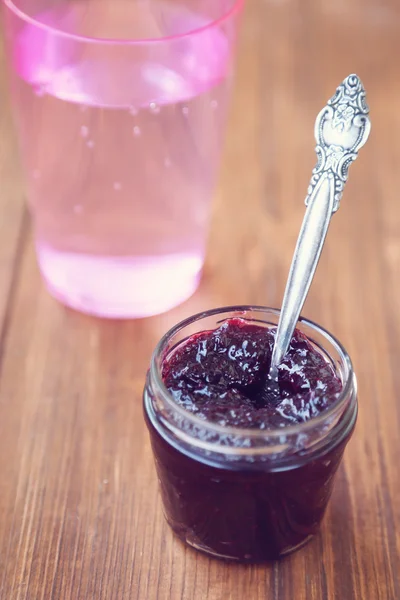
x,y
348,381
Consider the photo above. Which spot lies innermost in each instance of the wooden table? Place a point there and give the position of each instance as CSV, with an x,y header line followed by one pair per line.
x,y
80,514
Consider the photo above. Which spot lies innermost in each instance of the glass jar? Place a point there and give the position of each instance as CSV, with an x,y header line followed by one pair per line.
x,y
246,494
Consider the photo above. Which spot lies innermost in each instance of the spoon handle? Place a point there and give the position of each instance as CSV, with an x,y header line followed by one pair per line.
x,y
341,129
308,250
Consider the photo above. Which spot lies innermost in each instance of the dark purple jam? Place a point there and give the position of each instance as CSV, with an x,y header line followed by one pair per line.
x,y
222,376
247,510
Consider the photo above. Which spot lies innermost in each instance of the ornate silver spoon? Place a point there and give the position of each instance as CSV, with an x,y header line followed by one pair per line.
x,y
341,129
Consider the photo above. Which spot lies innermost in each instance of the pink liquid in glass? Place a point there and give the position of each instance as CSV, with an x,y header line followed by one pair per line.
x,y
121,143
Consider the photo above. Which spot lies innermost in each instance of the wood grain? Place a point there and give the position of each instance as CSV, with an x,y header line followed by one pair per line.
x,y
80,516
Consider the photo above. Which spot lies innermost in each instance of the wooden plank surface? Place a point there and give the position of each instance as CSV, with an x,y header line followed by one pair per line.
x,y
80,516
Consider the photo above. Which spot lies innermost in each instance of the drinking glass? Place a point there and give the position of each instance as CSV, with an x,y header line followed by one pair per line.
x,y
120,110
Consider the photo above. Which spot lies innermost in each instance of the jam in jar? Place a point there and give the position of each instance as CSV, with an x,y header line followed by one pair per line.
x,y
246,469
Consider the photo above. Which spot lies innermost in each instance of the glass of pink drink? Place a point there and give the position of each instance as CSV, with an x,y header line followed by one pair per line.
x,y
120,109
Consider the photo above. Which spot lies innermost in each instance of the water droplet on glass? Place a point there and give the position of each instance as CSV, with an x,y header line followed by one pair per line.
x,y
155,109
167,163
40,91
84,131
133,111
36,174
90,144
185,110
214,104
117,186
136,131
78,208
